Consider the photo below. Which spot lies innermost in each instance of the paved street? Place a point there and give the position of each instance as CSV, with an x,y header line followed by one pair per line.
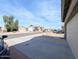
x,y
18,35
40,46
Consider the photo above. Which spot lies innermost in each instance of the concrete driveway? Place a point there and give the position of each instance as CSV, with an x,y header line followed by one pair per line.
x,y
42,47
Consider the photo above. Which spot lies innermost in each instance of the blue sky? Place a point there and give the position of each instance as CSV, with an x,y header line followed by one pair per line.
x,y
45,13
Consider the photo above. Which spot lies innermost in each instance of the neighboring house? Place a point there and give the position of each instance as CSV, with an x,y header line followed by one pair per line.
x,y
31,28
38,29
22,29
70,18
3,29
35,29
48,30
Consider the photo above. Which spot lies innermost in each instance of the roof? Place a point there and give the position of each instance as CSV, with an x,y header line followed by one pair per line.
x,y
67,8
64,8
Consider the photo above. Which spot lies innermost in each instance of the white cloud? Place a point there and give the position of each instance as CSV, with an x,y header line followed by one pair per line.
x,y
47,10
21,13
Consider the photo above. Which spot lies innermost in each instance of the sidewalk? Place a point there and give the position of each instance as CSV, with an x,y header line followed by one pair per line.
x,y
55,34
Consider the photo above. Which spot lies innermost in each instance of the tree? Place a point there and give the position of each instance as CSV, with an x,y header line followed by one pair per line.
x,y
8,20
16,25
10,25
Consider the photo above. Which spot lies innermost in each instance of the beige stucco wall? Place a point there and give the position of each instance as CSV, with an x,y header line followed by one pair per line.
x,y
72,35
21,29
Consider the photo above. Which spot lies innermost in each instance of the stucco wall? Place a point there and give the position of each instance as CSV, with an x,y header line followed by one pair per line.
x,y
72,35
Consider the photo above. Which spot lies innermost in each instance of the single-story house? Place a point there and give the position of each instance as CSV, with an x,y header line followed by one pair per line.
x,y
22,29
69,12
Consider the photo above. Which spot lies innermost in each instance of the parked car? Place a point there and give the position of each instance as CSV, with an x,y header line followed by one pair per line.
x,y
4,50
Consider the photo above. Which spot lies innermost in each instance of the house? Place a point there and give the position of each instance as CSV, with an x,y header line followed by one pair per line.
x,y
38,29
22,29
69,12
31,28
3,29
